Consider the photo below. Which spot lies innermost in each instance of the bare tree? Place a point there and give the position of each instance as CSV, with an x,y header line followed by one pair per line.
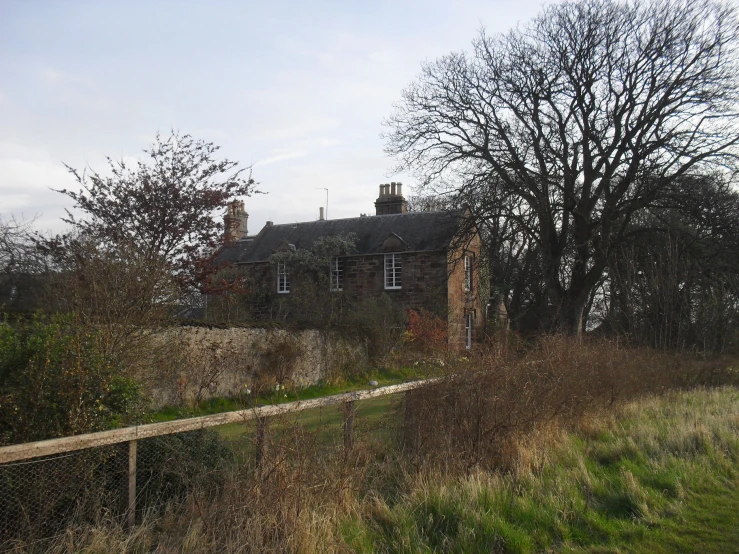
x,y
677,285
583,117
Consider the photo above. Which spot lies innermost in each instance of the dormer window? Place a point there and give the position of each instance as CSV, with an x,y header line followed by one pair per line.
x,y
283,278
337,274
392,271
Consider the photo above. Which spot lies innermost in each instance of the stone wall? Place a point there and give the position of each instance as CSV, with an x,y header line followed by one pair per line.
x,y
423,279
209,362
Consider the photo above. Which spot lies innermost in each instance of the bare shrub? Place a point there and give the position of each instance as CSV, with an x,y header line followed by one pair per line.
x,y
342,358
378,323
474,416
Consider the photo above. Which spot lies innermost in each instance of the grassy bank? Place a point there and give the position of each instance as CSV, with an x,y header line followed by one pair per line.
x,y
662,474
267,396
562,446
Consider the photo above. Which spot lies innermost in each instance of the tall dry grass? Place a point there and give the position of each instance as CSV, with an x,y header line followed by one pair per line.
x,y
477,413
493,415
290,503
623,478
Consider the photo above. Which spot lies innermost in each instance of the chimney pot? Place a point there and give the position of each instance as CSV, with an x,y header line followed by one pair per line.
x,y
399,189
391,200
320,214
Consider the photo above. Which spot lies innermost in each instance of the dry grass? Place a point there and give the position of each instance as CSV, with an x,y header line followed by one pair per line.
x,y
626,481
291,503
489,446
478,414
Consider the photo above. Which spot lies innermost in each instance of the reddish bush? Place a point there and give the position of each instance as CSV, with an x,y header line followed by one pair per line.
x,y
425,330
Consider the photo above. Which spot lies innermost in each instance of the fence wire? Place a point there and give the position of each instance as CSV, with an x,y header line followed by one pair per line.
x,y
40,498
169,466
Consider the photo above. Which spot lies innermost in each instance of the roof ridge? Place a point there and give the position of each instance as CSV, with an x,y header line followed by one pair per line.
x,y
366,217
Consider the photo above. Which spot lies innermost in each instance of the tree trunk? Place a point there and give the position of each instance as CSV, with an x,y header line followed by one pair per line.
x,y
570,314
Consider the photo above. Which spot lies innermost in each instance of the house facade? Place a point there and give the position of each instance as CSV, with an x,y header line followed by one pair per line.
x,y
426,260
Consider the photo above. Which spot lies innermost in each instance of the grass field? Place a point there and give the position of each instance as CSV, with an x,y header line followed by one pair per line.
x,y
383,376
374,417
566,448
661,476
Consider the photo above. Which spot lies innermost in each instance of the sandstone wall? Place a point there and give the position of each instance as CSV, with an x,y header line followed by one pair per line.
x,y
204,363
462,301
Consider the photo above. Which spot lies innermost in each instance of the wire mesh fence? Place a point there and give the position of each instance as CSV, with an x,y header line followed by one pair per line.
x,y
126,475
39,497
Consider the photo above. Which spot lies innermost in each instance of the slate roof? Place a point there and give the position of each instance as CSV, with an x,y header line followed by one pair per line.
x,y
421,231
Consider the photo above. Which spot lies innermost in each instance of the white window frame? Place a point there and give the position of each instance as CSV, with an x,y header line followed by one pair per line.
x,y
337,274
393,271
469,263
468,331
283,278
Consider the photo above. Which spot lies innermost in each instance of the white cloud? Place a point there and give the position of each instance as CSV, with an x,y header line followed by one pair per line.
x,y
16,202
33,175
9,150
75,89
28,177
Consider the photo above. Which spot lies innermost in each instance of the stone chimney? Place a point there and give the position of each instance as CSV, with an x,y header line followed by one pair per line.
x,y
235,220
391,200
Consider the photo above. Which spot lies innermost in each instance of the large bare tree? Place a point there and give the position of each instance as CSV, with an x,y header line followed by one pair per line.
x,y
580,119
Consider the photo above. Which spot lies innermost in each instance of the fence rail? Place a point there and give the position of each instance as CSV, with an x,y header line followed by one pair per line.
x,y
131,435
30,450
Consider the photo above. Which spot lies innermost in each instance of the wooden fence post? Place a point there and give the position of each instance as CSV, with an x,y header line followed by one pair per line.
x,y
132,447
260,443
349,411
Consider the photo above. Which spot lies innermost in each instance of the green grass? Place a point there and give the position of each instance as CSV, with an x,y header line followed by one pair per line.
x,y
662,477
375,419
708,523
383,376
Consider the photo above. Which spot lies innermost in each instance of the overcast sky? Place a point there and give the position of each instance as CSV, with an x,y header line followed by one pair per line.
x,y
298,90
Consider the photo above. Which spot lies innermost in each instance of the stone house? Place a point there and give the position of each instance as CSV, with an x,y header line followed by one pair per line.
x,y
424,260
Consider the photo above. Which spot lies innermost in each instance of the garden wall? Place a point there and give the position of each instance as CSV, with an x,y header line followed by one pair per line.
x,y
200,363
